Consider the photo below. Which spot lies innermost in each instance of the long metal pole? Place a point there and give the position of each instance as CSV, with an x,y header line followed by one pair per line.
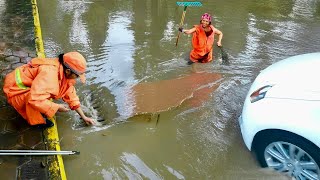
x,y
36,152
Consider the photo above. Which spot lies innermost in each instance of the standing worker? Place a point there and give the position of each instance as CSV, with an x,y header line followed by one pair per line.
x,y
203,39
30,87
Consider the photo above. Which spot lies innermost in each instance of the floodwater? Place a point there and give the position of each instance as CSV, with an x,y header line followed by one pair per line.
x,y
159,117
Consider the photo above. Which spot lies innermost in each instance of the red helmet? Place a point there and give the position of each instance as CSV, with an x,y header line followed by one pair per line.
x,y
206,16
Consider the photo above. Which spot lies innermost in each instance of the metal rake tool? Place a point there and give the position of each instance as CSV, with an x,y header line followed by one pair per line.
x,y
191,3
186,4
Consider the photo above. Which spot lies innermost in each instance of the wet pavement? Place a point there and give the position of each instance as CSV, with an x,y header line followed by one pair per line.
x,y
17,47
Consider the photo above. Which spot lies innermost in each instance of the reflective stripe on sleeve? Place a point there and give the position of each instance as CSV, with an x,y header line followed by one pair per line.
x,y
18,79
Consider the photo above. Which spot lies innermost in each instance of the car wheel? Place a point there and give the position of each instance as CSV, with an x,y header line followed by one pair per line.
x,y
288,153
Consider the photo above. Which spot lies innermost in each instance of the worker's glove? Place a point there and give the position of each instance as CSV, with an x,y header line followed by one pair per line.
x,y
180,29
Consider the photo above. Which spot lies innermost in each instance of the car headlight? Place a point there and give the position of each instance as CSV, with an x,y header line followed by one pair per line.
x,y
259,93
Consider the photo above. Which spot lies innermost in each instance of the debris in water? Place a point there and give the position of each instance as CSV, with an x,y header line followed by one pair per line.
x,y
43,164
100,119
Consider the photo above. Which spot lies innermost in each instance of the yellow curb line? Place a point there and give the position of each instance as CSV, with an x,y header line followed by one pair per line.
x,y
56,166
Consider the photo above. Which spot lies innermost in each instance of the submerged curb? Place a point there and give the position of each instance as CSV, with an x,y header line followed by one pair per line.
x,y
56,166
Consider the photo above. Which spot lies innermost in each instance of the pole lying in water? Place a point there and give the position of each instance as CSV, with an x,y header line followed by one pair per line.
x,y
36,152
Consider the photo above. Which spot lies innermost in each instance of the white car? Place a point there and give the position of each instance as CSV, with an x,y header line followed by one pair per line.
x,y
280,120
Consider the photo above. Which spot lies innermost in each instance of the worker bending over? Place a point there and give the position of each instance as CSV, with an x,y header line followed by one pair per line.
x,y
30,88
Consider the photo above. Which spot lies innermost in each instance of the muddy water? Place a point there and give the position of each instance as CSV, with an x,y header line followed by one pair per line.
x,y
164,119
156,97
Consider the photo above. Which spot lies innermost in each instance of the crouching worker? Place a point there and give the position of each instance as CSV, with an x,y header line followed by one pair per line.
x,y
203,39
30,87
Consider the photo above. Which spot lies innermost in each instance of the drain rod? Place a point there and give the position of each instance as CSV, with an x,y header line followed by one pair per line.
x,y
36,152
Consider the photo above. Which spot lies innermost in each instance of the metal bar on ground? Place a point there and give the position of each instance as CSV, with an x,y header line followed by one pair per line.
x,y
36,152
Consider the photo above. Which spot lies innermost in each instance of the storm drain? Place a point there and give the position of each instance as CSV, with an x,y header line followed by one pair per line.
x,y
31,170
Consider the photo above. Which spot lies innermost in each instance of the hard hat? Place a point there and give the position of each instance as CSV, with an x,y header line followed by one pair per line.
x,y
76,63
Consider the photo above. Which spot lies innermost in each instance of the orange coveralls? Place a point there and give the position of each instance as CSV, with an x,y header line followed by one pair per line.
x,y
202,45
30,87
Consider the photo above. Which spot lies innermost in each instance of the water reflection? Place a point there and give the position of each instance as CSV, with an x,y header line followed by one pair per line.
x,y
2,8
132,167
304,9
78,33
113,68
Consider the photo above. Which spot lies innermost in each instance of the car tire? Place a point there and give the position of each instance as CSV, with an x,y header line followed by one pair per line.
x,y
269,144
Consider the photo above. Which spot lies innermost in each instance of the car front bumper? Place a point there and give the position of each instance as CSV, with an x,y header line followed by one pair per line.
x,y
244,133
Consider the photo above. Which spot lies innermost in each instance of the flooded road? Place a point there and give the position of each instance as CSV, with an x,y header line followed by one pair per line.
x,y
162,118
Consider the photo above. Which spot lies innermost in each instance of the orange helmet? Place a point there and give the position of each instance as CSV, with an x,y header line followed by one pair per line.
x,y
76,63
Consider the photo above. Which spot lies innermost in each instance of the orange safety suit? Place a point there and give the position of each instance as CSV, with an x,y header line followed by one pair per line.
x,y
30,87
202,45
